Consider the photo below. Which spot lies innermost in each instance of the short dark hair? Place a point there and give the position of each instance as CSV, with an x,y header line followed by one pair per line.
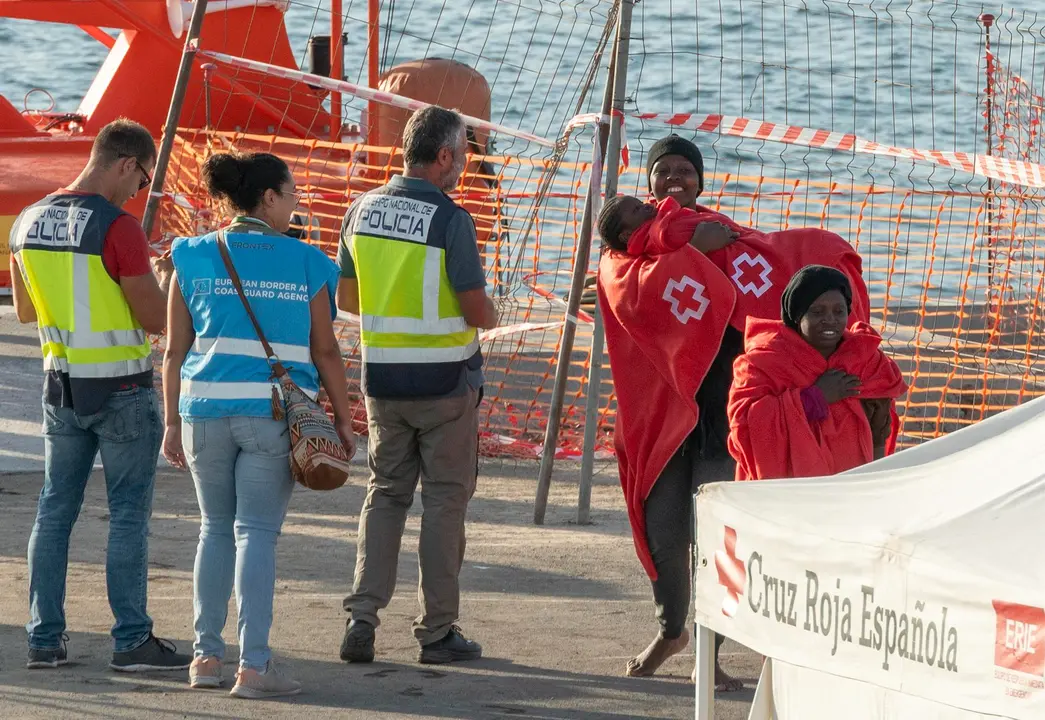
x,y
427,132
123,138
609,223
243,179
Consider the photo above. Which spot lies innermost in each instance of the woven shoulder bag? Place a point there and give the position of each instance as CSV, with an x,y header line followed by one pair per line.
x,y
318,459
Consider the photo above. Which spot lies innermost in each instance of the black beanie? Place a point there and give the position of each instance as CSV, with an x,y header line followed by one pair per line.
x,y
675,145
806,286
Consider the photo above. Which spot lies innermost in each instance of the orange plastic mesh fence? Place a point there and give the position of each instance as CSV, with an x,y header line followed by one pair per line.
x,y
966,352
528,281
952,260
967,340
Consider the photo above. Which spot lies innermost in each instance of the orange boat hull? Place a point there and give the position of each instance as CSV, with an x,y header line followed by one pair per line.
x,y
41,152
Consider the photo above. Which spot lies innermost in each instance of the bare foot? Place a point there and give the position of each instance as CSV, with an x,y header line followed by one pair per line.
x,y
724,683
646,664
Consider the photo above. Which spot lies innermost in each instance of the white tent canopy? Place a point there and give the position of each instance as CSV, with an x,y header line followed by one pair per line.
x,y
911,588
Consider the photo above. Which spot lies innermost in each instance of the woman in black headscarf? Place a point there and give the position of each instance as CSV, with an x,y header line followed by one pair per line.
x,y
811,397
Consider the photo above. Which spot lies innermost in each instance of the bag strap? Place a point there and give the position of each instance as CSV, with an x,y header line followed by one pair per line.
x,y
223,248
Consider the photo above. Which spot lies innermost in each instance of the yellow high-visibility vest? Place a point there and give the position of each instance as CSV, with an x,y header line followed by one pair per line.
x,y
409,310
87,328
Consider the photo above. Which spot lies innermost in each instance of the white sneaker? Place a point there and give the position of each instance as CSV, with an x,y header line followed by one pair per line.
x,y
254,685
205,672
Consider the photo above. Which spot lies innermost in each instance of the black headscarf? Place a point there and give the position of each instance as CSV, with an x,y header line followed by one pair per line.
x,y
675,145
806,286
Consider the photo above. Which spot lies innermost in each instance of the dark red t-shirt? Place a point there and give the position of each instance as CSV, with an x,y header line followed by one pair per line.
x,y
125,250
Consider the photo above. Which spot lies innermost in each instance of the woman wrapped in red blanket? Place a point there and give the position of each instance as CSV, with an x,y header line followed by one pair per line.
x,y
810,397
666,308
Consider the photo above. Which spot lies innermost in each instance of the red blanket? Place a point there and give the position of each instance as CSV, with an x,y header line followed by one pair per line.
x,y
761,264
770,435
665,307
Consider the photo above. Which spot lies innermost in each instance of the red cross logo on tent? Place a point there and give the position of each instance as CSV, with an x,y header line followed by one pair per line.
x,y
687,299
731,574
751,274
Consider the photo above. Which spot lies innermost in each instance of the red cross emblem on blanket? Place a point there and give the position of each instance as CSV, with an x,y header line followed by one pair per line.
x,y
731,574
751,274
687,299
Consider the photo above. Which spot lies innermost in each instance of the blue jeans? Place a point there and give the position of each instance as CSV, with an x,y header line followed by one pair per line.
x,y
241,467
127,431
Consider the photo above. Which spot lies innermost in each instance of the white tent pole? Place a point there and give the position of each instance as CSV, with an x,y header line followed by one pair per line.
x,y
705,673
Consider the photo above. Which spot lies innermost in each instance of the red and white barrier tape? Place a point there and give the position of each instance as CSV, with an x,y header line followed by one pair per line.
x,y
528,281
499,332
599,118
364,92
1016,172
484,336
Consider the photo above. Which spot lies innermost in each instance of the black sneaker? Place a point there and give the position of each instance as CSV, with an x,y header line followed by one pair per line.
x,y
154,654
51,658
452,648
358,644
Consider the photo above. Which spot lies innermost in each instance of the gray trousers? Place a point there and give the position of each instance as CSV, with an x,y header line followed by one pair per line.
x,y
438,438
669,530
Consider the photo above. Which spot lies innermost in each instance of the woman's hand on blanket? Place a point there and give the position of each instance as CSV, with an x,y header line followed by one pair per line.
x,y
837,385
711,236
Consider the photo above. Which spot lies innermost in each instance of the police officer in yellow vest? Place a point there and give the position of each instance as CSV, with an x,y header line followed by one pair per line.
x,y
80,268
411,270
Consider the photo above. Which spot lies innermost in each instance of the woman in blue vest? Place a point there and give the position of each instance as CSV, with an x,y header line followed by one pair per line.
x,y
218,401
